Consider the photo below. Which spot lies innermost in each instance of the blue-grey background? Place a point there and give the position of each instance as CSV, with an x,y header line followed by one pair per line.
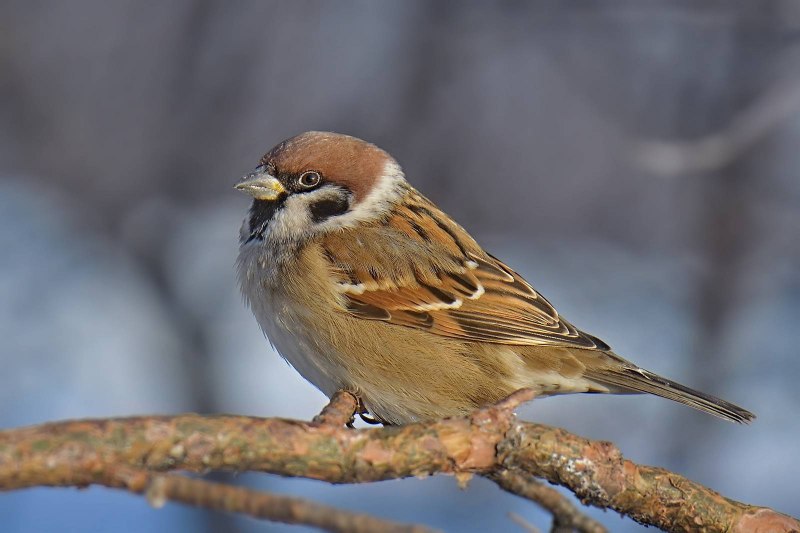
x,y
636,160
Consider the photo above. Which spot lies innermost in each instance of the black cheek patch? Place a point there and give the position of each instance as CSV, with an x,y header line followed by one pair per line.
x,y
322,210
261,212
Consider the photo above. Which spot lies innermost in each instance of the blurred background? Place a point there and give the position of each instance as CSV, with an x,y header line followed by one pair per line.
x,y
637,160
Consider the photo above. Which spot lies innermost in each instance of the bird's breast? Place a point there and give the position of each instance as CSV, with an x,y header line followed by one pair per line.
x,y
285,292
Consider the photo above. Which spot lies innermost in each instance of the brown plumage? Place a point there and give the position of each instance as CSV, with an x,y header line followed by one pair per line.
x,y
387,296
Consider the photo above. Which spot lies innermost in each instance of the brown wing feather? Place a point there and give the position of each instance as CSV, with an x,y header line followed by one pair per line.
x,y
420,269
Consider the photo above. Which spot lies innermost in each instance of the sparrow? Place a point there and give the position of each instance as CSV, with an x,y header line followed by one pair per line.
x,y
363,284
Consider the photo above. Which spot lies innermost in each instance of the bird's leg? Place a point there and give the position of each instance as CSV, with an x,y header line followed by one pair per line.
x,y
340,410
515,399
505,408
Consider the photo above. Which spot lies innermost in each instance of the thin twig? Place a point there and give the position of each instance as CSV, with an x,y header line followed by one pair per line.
x,y
566,517
521,522
161,488
776,106
217,496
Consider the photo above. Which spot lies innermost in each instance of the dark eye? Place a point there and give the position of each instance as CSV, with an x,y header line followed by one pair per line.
x,y
309,179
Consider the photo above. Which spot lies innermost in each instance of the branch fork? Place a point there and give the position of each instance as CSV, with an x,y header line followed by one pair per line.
x,y
134,453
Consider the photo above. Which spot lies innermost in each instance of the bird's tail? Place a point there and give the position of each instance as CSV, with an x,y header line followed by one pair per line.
x,y
633,379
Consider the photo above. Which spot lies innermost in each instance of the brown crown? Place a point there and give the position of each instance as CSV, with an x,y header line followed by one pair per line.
x,y
341,159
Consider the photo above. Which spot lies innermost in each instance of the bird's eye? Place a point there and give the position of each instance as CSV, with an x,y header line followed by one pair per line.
x,y
309,179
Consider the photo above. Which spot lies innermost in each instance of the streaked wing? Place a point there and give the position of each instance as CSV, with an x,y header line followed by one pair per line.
x,y
420,269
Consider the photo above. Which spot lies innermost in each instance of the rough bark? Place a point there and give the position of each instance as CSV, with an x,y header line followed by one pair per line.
x,y
489,442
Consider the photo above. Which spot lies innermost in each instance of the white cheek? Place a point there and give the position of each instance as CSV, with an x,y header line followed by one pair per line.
x,y
387,190
292,221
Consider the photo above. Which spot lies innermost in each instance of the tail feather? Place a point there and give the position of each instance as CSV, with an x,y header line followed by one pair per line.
x,y
640,380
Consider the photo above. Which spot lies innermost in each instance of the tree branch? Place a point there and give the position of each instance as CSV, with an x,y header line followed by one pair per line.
x,y
566,517
160,488
488,442
774,107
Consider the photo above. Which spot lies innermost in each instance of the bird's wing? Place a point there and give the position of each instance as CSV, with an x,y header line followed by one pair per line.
x,y
420,269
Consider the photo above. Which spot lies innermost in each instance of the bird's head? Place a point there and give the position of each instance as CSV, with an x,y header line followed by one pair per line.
x,y
316,182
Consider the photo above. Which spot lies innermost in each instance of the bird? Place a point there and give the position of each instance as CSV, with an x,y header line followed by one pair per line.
x,y
364,285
